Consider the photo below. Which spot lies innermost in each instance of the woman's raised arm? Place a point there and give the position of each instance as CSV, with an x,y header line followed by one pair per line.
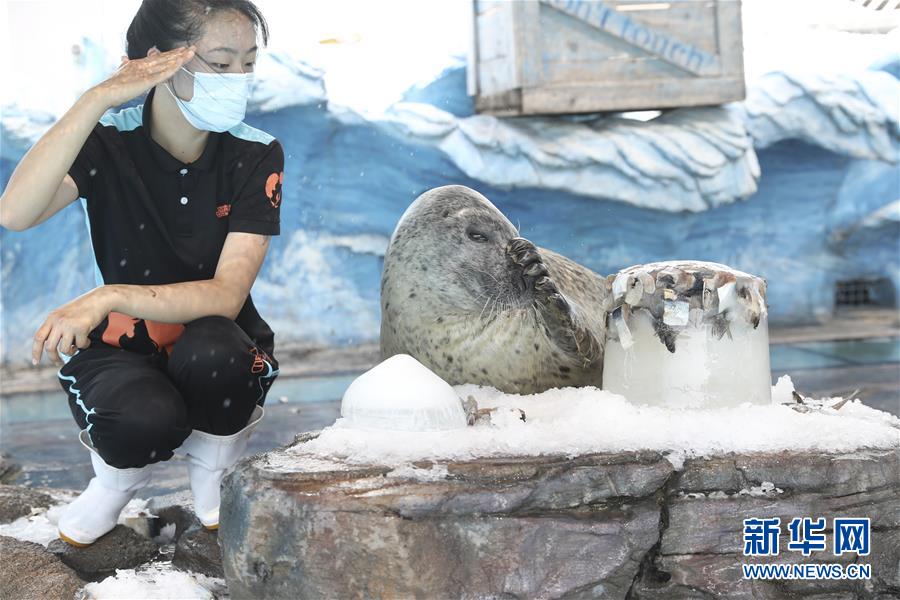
x,y
39,187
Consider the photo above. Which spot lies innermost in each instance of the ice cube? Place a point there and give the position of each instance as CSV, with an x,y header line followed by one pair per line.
x,y
676,313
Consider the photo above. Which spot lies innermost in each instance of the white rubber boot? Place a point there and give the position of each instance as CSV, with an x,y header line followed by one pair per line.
x,y
208,458
96,511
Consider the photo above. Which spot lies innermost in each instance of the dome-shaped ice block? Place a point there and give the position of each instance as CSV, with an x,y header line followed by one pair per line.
x,y
401,393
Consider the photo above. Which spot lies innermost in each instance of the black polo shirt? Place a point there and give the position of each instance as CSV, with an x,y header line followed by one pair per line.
x,y
155,220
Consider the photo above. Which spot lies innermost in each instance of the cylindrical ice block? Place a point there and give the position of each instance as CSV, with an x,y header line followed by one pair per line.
x,y
688,334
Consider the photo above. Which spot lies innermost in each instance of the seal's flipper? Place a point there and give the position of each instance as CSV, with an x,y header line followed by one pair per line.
x,y
561,323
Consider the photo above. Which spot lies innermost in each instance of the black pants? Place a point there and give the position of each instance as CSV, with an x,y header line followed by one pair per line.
x,y
138,408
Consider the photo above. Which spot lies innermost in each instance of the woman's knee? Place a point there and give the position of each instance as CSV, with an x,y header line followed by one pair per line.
x,y
208,341
211,329
215,351
146,427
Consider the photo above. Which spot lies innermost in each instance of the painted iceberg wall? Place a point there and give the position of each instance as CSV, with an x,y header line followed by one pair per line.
x,y
797,184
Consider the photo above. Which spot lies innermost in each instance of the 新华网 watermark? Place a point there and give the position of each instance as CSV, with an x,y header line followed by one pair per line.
x,y
807,535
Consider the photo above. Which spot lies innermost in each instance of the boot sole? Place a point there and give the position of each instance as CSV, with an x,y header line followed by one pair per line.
x,y
69,540
212,527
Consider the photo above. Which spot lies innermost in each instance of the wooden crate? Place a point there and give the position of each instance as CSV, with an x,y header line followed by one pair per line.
x,y
577,56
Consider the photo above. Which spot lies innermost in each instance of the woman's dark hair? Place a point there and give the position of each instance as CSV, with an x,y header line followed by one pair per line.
x,y
168,23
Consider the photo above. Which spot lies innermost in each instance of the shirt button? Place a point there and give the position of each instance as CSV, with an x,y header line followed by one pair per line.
x,y
183,171
184,200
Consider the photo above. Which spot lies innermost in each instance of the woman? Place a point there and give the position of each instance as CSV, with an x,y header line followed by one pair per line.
x,y
168,351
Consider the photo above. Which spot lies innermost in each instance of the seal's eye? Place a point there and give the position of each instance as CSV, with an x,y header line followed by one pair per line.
x,y
476,236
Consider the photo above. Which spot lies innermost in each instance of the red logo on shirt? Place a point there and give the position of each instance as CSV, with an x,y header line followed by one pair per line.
x,y
273,188
222,211
140,335
259,360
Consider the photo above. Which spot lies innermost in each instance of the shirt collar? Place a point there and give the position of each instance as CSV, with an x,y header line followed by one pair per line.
x,y
165,160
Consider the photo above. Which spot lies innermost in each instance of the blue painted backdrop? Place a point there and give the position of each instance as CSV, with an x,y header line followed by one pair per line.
x,y
346,185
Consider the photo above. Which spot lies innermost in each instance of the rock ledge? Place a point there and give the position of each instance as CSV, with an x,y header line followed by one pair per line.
x,y
598,525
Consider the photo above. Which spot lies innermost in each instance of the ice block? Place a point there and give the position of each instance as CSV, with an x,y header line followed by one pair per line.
x,y
400,393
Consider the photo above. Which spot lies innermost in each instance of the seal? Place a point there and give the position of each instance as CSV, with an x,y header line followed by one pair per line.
x,y
475,303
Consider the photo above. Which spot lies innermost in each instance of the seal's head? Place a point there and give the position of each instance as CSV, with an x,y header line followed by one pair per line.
x,y
474,302
457,242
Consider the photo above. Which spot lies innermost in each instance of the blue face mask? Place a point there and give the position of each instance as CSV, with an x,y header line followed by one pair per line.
x,y
219,102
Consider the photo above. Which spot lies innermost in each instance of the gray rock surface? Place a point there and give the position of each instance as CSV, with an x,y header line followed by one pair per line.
x,y
20,501
599,526
8,468
538,527
198,550
22,560
701,544
182,517
121,548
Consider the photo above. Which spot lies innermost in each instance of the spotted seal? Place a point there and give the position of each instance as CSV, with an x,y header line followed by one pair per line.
x,y
474,302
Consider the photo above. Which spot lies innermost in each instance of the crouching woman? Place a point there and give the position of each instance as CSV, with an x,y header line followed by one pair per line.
x,y
167,353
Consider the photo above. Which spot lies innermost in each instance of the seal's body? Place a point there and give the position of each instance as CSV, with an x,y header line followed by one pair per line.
x,y
475,303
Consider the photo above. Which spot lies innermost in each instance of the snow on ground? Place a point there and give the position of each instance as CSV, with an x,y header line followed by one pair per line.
x,y
32,528
157,580
40,527
577,421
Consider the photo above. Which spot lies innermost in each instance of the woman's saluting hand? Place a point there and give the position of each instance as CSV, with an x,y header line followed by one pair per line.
x,y
134,77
